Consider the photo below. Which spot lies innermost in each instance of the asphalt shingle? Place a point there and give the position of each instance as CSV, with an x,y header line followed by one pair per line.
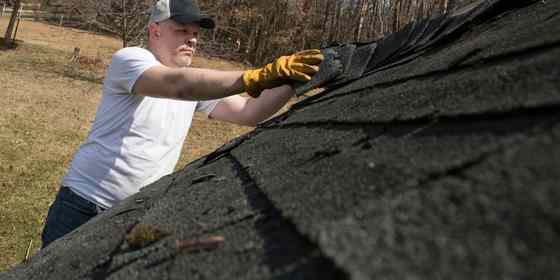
x,y
444,165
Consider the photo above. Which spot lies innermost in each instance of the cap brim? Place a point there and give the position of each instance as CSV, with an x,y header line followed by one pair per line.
x,y
203,20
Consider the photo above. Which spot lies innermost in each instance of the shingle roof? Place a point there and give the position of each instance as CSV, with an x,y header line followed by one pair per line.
x,y
442,166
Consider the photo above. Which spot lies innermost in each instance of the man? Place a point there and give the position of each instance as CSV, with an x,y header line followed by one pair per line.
x,y
149,97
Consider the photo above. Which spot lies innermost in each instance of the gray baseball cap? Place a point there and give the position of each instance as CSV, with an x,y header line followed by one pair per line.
x,y
181,11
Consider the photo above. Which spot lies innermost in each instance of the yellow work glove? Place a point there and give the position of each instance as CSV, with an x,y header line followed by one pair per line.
x,y
296,67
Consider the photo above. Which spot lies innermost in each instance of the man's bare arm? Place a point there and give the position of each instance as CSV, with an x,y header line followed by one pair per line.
x,y
188,83
250,111
206,84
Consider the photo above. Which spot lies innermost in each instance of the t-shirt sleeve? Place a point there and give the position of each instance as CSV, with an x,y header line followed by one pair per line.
x,y
206,107
127,65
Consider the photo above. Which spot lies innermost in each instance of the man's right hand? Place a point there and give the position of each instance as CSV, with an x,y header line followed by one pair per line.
x,y
296,67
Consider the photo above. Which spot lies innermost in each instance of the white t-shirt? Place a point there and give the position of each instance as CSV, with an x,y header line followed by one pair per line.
x,y
134,140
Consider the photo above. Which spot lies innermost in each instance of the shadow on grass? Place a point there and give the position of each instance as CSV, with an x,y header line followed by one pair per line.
x,y
9,47
85,76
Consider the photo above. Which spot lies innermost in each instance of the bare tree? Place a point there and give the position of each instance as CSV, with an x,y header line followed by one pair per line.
x,y
8,40
126,19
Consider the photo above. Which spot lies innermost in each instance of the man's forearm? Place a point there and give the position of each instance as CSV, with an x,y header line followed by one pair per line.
x,y
270,102
189,83
206,84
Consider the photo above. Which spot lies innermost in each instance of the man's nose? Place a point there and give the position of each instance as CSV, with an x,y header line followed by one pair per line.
x,y
191,42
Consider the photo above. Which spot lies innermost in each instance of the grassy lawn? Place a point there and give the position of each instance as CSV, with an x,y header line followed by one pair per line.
x,y
46,107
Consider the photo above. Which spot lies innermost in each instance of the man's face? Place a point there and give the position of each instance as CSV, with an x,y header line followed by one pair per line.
x,y
178,41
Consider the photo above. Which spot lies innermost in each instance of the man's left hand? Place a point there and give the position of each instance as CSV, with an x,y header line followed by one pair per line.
x,y
300,66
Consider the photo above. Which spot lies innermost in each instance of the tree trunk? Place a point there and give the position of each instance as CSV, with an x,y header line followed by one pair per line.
x,y
359,15
396,16
13,18
124,25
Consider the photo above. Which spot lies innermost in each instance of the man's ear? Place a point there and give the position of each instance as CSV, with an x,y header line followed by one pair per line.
x,y
153,28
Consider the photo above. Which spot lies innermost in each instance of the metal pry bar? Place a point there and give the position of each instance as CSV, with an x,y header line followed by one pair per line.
x,y
329,69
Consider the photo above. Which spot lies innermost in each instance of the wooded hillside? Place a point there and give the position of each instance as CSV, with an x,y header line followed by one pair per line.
x,y
255,31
